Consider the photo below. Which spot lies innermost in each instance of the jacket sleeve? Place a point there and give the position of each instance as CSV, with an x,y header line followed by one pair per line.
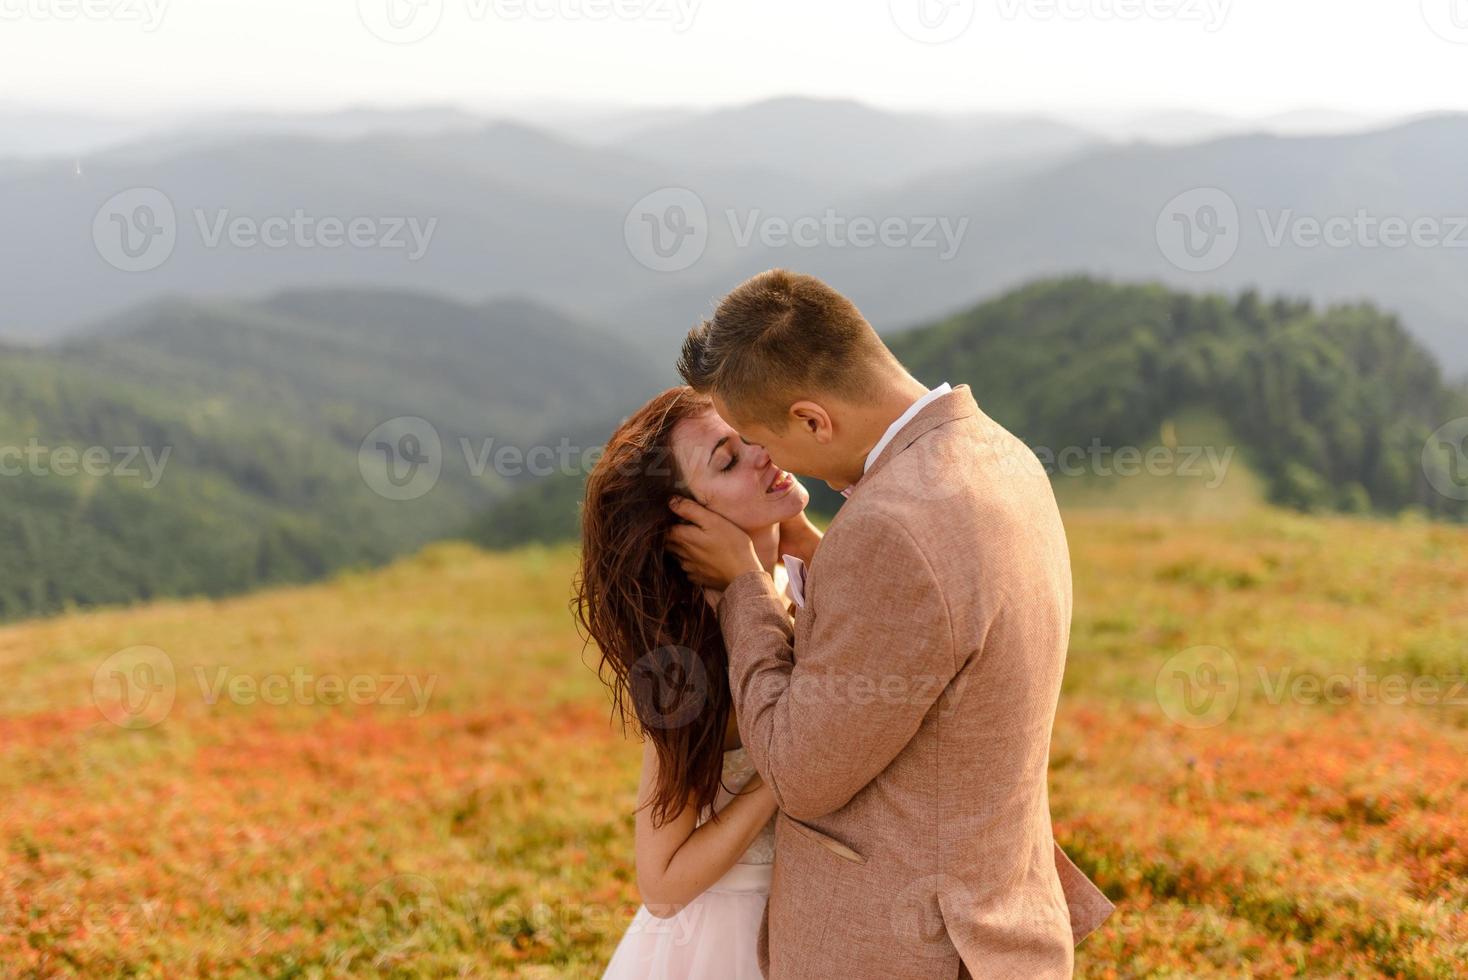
x,y
824,708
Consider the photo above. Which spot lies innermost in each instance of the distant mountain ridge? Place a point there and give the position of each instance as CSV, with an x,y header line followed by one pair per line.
x,y
846,145
509,208
1099,214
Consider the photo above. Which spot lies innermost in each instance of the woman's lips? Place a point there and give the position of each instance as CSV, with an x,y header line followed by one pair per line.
x,y
782,485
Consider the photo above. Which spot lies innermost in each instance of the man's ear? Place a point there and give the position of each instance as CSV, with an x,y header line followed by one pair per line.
x,y
814,420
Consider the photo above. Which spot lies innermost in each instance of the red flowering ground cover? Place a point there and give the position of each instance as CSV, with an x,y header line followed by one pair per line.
x,y
411,772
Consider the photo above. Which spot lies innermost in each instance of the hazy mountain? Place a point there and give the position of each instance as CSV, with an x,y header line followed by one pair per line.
x,y
501,209
243,443
843,145
28,133
1321,122
1100,214
509,209
37,133
592,123
1177,126
212,129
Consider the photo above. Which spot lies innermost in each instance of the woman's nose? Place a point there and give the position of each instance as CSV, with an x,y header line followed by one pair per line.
x,y
759,457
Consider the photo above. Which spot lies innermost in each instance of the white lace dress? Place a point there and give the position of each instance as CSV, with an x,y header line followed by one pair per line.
x,y
714,936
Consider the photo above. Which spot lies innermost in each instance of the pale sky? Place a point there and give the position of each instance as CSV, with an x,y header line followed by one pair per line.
x,y
1238,57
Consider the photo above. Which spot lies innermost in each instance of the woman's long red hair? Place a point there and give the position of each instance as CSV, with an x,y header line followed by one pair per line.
x,y
661,651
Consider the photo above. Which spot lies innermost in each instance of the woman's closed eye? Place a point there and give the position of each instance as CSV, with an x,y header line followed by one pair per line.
x,y
729,465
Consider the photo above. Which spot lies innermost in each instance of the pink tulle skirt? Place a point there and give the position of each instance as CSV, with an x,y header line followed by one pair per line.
x,y
712,938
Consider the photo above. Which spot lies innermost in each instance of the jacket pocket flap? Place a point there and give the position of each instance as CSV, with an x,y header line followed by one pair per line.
x,y
828,842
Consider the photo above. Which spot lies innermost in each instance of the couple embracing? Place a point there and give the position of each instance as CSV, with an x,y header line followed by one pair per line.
x,y
846,736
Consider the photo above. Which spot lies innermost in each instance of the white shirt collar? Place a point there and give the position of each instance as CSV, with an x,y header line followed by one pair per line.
x,y
902,420
896,427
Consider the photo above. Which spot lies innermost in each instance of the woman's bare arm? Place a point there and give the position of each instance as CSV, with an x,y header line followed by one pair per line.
x,y
677,862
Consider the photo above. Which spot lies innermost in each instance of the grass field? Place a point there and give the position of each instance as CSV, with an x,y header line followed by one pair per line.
x,y
412,772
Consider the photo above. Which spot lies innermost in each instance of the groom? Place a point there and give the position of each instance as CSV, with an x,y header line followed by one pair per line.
x,y
904,721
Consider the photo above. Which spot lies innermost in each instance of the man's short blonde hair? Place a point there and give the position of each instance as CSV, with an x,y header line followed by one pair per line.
x,y
780,337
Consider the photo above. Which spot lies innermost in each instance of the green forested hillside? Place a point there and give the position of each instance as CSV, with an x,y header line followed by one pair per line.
x,y
226,436
1325,410
229,433
1332,408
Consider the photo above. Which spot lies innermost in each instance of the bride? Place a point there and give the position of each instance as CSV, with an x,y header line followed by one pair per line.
x,y
705,819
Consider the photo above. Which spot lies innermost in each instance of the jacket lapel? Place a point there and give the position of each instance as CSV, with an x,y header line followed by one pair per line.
x,y
957,404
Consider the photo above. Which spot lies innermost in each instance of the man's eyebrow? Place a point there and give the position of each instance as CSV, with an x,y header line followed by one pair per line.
x,y
748,443
716,448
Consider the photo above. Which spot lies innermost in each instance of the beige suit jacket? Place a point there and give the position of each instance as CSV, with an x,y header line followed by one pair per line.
x,y
904,721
